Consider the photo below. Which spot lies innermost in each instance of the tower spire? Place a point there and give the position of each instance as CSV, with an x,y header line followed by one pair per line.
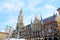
x,y
20,19
41,23
41,18
31,21
36,18
21,13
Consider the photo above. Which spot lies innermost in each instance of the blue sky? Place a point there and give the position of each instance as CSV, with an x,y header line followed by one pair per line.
x,y
9,10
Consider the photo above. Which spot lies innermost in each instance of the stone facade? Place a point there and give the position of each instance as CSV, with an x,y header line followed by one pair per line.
x,y
44,29
3,35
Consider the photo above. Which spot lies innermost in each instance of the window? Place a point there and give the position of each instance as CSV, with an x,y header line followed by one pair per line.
x,y
38,32
39,39
36,39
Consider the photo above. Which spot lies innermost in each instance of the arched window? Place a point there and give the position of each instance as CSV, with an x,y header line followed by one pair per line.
x,y
39,39
45,39
38,34
55,34
55,38
50,38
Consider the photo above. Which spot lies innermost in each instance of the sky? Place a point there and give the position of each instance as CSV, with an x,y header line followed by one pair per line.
x,y
9,11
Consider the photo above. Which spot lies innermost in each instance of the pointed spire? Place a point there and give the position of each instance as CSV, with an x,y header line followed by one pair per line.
x,y
41,17
21,13
42,26
36,18
41,20
31,21
20,19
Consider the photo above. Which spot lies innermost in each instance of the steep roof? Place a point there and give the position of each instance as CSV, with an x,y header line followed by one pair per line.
x,y
46,20
51,18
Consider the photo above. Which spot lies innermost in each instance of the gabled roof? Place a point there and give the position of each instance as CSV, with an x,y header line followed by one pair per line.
x,y
51,18
28,26
46,20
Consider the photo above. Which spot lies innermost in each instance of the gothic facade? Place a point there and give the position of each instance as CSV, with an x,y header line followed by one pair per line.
x,y
44,29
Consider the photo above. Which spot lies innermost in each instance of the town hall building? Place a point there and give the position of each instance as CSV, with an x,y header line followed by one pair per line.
x,y
44,29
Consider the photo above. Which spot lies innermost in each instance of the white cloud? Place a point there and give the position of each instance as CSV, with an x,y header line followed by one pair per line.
x,y
46,10
48,6
11,22
31,4
51,0
11,6
49,9
28,19
8,6
3,30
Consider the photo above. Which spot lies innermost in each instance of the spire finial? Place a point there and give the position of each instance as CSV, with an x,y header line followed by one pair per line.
x,y
20,11
35,16
31,21
41,17
20,19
